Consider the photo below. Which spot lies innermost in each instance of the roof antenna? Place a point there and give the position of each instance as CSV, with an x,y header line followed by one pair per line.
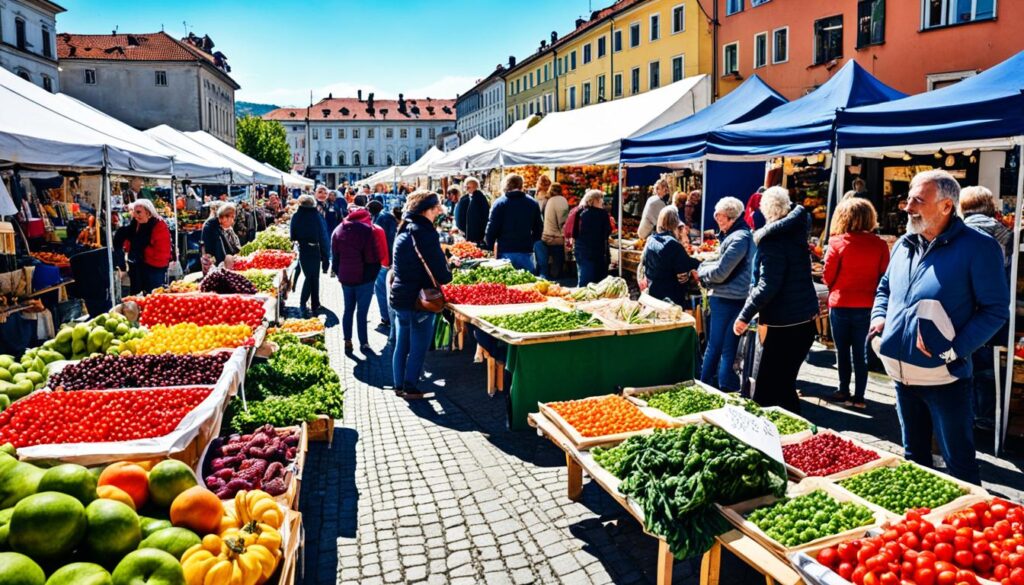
x,y
185,24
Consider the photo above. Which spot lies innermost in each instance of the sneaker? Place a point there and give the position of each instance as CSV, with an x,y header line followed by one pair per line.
x,y
411,393
348,347
857,403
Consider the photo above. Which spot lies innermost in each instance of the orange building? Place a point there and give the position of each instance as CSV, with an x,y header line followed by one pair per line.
x,y
911,45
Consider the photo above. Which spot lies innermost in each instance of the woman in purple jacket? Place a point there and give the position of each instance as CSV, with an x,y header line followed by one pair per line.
x,y
356,262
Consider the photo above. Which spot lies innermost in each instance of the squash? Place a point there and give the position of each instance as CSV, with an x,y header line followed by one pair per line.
x,y
227,561
257,533
259,506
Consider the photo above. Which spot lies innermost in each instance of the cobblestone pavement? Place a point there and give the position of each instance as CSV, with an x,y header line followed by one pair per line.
x,y
440,492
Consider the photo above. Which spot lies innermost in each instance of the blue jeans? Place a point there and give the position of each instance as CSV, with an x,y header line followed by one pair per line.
x,y
415,332
850,332
720,354
984,384
380,290
948,410
309,263
520,260
357,305
544,252
588,271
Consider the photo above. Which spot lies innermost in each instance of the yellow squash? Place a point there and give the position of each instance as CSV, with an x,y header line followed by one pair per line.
x,y
227,561
257,533
259,506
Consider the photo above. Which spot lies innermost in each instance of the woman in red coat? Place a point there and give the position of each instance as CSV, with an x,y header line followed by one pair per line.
x,y
855,262
147,242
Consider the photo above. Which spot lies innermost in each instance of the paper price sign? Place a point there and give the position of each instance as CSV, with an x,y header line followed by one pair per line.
x,y
759,433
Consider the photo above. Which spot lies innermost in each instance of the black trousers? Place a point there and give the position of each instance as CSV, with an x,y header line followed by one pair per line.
x,y
784,351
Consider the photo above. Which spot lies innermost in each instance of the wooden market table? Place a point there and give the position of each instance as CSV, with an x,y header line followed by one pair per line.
x,y
745,548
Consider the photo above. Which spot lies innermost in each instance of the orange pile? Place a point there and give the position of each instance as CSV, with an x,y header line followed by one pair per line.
x,y
50,257
610,415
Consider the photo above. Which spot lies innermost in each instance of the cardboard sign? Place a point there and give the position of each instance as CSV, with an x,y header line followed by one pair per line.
x,y
759,433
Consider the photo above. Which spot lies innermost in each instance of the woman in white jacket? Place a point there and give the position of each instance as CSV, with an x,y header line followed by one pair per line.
x,y
552,243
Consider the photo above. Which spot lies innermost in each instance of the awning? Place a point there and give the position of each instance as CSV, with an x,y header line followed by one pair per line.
x,y
389,175
592,135
490,157
687,138
185,149
803,126
261,174
454,162
421,167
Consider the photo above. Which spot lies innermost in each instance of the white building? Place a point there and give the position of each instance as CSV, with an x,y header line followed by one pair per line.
x,y
150,79
28,40
347,139
481,110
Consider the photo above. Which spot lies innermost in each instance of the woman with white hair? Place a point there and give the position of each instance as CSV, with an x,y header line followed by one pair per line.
x,y
147,242
667,266
782,298
727,280
590,237
218,237
652,208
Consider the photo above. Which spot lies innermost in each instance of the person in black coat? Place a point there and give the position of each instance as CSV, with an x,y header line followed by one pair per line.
x,y
461,210
218,237
590,237
478,211
782,297
309,230
667,266
515,225
418,264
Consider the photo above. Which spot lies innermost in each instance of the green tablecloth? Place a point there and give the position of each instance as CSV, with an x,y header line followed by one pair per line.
x,y
568,370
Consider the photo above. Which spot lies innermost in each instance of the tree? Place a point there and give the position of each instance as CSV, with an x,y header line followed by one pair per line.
x,y
265,141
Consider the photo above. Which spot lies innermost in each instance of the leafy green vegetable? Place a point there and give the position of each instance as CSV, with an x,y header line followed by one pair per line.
x,y
267,240
504,275
903,487
799,520
685,399
546,320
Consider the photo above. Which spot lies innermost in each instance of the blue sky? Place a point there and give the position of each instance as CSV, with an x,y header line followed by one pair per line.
x,y
280,50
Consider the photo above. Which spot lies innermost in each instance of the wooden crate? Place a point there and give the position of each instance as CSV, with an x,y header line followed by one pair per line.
x,y
321,430
883,456
583,443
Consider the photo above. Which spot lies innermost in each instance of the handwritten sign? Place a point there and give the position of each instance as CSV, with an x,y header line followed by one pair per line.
x,y
759,433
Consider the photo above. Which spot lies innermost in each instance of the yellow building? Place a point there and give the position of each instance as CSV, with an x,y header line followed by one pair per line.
x,y
631,47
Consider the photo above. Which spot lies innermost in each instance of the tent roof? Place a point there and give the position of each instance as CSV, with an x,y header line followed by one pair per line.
x,y
261,174
420,167
687,138
985,106
388,175
490,157
452,162
294,179
592,135
183,146
803,126
38,128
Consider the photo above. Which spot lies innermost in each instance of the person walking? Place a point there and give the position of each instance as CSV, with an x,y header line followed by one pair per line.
x,y
147,242
477,213
667,266
938,302
727,281
389,226
782,298
514,225
356,254
461,208
854,263
219,241
331,212
652,207
309,230
551,246
590,238
418,264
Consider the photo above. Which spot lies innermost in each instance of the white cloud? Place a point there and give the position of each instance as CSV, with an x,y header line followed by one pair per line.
x,y
446,87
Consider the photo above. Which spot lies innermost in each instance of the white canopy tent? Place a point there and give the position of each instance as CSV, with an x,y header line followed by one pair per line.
x,y
294,179
184,147
389,175
593,135
260,173
490,157
421,167
454,161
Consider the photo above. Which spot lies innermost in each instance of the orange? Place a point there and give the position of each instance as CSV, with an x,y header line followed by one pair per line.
x,y
197,509
109,492
130,477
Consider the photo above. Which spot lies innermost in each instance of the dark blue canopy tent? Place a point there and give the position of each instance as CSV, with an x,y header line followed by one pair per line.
x,y
803,126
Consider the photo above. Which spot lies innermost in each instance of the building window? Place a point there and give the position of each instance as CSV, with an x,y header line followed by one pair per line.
x,y
731,59
940,80
319,161
937,13
405,158
327,160
531,109
679,19
870,22
572,61
403,132
586,94
655,27
780,45
433,133
316,133
634,35
355,133
19,33
531,79
828,39
329,134
617,41
760,50
572,98
389,133
601,96
356,161
390,160
341,133
371,132
634,83
733,6
517,111
654,75
677,68
758,2
369,158
617,85
587,53
47,44
90,77
538,76
341,158
602,47
419,133
161,79
47,83
547,72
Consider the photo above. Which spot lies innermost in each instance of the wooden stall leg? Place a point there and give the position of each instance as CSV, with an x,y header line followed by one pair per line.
x,y
575,471
710,564
499,376
492,384
768,580
665,561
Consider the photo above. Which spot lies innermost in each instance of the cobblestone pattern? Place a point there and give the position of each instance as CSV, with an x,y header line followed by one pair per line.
x,y
440,491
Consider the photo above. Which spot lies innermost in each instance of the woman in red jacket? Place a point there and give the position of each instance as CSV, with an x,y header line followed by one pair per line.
x,y
147,242
855,262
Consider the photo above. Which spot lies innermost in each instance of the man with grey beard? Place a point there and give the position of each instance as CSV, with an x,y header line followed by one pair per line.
x,y
943,296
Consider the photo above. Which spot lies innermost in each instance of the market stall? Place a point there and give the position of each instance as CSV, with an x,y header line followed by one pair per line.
x,y
421,168
454,162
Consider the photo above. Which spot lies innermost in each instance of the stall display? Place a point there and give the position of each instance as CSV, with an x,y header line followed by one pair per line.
x,y
608,418
577,180
106,333
827,454
265,259
299,326
548,320
466,250
806,518
680,400
270,239
225,282
265,281
185,338
902,487
489,293
502,274
257,460
202,309
142,371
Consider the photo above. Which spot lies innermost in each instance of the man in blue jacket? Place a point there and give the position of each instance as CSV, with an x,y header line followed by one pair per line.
x,y
941,299
515,225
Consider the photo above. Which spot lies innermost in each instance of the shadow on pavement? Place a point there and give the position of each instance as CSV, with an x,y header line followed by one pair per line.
x,y
329,503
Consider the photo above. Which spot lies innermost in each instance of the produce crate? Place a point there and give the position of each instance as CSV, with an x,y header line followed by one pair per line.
x,y
291,539
289,499
737,516
938,515
813,430
480,314
601,307
883,456
639,395
321,430
583,443
970,492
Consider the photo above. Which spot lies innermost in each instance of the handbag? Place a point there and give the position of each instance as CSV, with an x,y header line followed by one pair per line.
x,y
428,299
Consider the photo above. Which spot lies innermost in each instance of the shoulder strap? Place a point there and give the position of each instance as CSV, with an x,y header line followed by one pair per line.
x,y
425,267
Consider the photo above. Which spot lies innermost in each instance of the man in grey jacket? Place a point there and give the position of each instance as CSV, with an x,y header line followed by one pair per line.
x,y
653,206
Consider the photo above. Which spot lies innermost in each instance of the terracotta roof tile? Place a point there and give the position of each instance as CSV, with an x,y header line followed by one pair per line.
x,y
351,109
158,46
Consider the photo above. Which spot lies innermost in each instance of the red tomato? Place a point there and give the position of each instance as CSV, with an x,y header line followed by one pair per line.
x,y
964,558
829,557
846,570
982,563
858,575
943,552
946,578
966,577
924,577
944,533
1017,576
889,578
847,552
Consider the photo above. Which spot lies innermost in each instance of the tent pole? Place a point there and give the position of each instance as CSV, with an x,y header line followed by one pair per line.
x,y
622,190
838,180
174,211
105,187
1003,405
703,194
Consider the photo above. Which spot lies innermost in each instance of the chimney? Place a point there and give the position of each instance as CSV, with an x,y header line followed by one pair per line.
x,y
543,44
330,96
580,22
512,62
369,101
554,37
401,103
360,94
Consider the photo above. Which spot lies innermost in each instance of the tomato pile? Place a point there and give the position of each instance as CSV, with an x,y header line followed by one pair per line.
x,y
826,454
265,259
984,540
192,338
93,416
466,250
489,293
202,309
608,415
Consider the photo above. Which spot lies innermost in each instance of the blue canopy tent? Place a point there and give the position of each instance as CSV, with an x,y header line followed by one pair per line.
x,y
980,113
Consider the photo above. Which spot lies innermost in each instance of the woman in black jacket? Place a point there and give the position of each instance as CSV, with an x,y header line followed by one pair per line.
x,y
783,298
218,237
309,230
667,266
417,250
590,234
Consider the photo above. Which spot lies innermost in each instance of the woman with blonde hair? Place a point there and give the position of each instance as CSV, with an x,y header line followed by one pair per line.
x,y
855,262
590,236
